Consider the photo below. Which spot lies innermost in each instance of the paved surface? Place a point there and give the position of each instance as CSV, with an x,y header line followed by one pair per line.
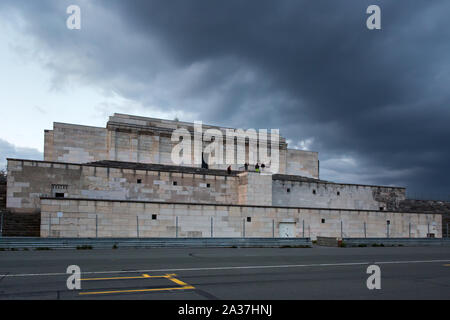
x,y
315,273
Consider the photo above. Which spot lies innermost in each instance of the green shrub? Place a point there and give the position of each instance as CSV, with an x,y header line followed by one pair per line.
x,y
84,247
377,245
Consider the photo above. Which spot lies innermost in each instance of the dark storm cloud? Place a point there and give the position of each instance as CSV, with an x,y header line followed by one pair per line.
x,y
375,103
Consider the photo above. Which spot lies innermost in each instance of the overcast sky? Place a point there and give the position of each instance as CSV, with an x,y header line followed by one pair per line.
x,y
373,103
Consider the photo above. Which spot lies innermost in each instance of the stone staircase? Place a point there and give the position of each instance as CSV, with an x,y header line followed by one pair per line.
x,y
21,224
17,224
2,196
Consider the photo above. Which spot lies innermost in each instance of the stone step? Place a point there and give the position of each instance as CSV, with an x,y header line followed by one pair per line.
x,y
21,225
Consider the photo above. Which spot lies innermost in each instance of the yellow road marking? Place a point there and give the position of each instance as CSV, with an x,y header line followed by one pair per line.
x,y
121,278
140,290
184,286
181,283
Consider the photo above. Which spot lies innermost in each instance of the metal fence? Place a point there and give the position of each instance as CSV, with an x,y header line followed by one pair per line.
x,y
385,242
303,230
116,243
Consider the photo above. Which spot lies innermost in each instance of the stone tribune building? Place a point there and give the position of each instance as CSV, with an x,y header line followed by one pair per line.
x,y
120,181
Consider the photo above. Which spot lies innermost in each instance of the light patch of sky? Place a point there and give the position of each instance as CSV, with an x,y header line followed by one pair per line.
x,y
29,103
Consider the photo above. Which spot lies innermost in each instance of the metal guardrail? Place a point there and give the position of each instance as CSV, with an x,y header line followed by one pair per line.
x,y
109,243
407,242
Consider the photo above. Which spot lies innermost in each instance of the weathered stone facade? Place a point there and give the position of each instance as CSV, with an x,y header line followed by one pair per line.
x,y
29,180
289,191
114,181
147,140
91,218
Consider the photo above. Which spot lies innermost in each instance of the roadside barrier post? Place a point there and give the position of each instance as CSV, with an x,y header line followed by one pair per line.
x,y
211,227
137,226
273,228
303,223
365,230
1,225
176,227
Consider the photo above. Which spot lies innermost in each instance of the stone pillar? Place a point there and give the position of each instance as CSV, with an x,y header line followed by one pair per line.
x,y
255,188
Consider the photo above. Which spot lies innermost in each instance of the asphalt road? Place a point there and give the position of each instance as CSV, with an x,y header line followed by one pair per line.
x,y
227,273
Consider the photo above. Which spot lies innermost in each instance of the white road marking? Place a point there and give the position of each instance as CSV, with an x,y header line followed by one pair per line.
x,y
232,268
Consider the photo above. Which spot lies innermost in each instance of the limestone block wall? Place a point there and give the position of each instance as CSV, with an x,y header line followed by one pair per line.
x,y
302,163
88,218
48,146
333,195
142,147
144,140
75,143
29,180
255,188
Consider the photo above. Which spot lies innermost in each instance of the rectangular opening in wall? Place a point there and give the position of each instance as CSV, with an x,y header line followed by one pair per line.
x,y
139,181
381,208
175,183
154,216
249,219
314,191
338,193
59,190
208,185
288,190
323,220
